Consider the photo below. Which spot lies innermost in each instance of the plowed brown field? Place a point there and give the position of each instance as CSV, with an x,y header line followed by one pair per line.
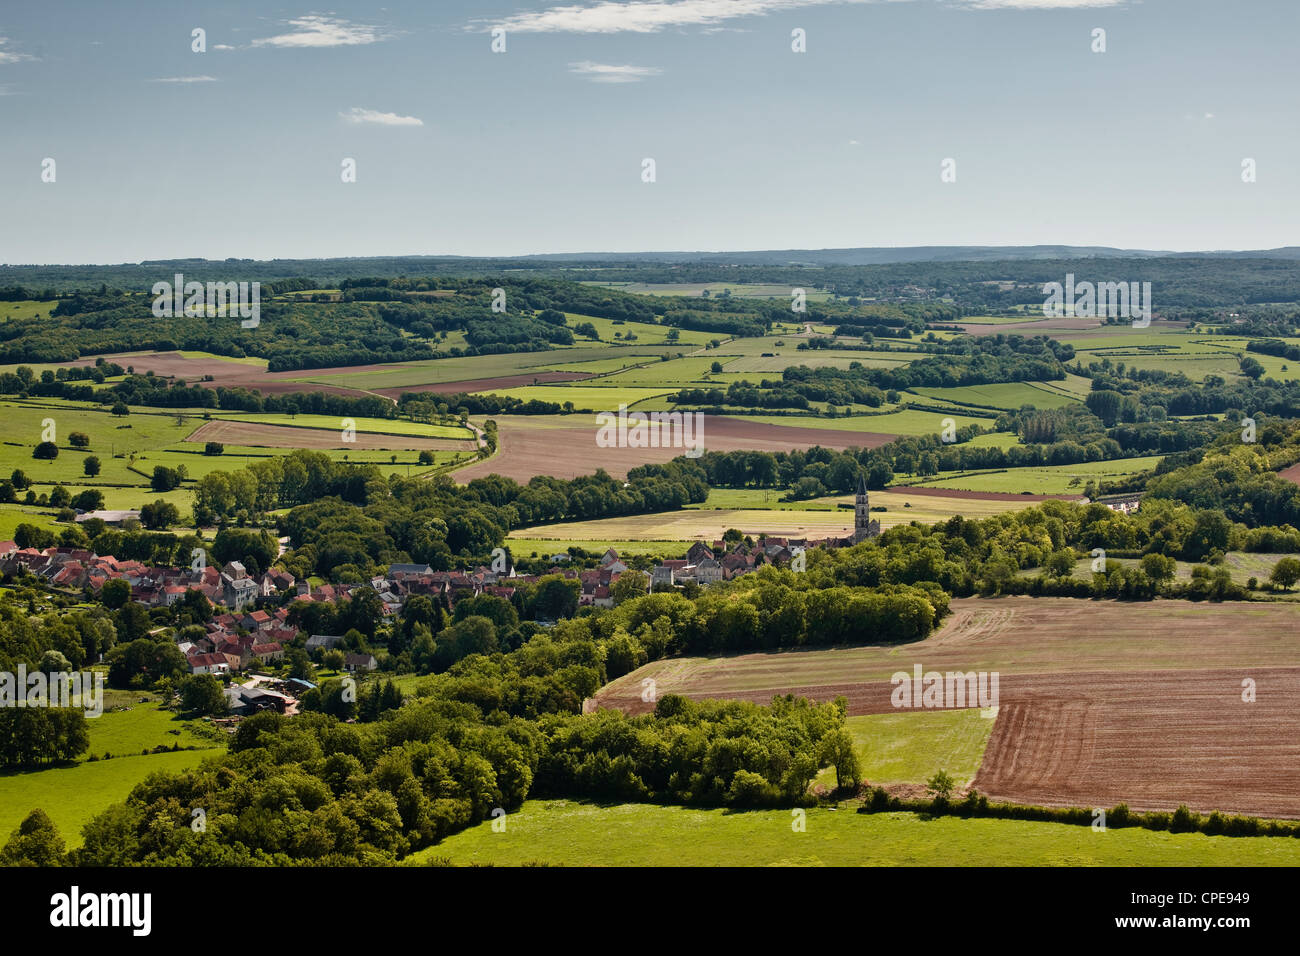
x,y
1100,702
1151,740
565,446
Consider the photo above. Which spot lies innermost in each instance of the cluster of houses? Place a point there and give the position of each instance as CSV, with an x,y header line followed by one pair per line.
x,y
704,565
78,569
250,628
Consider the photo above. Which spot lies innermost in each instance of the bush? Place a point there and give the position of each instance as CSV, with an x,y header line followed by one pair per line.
x,y
941,786
749,789
1183,820
46,450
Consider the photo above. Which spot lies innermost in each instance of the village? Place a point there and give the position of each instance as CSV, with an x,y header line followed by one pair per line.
x,y
252,625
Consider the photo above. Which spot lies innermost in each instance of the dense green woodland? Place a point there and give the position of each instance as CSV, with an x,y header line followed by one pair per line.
x,y
377,321
1187,282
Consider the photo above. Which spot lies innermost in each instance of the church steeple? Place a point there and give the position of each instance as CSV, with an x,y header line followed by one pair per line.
x,y
861,508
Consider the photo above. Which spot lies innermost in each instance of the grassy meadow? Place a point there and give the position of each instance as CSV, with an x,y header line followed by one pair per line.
x,y
566,833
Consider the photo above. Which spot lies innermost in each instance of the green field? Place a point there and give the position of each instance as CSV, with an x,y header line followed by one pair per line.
x,y
912,747
601,366
131,446
136,433
434,371
1010,396
1240,565
132,727
613,330
753,290
707,523
1173,350
72,795
545,547
582,834
11,516
596,397
691,372
25,309
132,722
1048,480
758,366
372,426
909,421
766,499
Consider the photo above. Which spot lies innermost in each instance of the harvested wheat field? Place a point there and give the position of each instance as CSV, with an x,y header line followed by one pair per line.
x,y
1099,702
288,436
565,446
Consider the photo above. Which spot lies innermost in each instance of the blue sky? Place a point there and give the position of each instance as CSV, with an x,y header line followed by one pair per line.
x,y
162,152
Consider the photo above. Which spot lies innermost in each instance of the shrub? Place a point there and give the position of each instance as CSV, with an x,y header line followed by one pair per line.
x,y
1183,820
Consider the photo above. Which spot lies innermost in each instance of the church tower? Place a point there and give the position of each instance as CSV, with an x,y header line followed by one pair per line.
x,y
861,509
863,526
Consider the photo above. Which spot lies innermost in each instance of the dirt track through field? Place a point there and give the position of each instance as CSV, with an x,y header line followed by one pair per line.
x,y
1099,702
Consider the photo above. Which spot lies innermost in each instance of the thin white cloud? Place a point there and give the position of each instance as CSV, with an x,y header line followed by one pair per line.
x,y
359,115
320,31
609,73
647,16
1040,4
8,56
651,16
184,79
